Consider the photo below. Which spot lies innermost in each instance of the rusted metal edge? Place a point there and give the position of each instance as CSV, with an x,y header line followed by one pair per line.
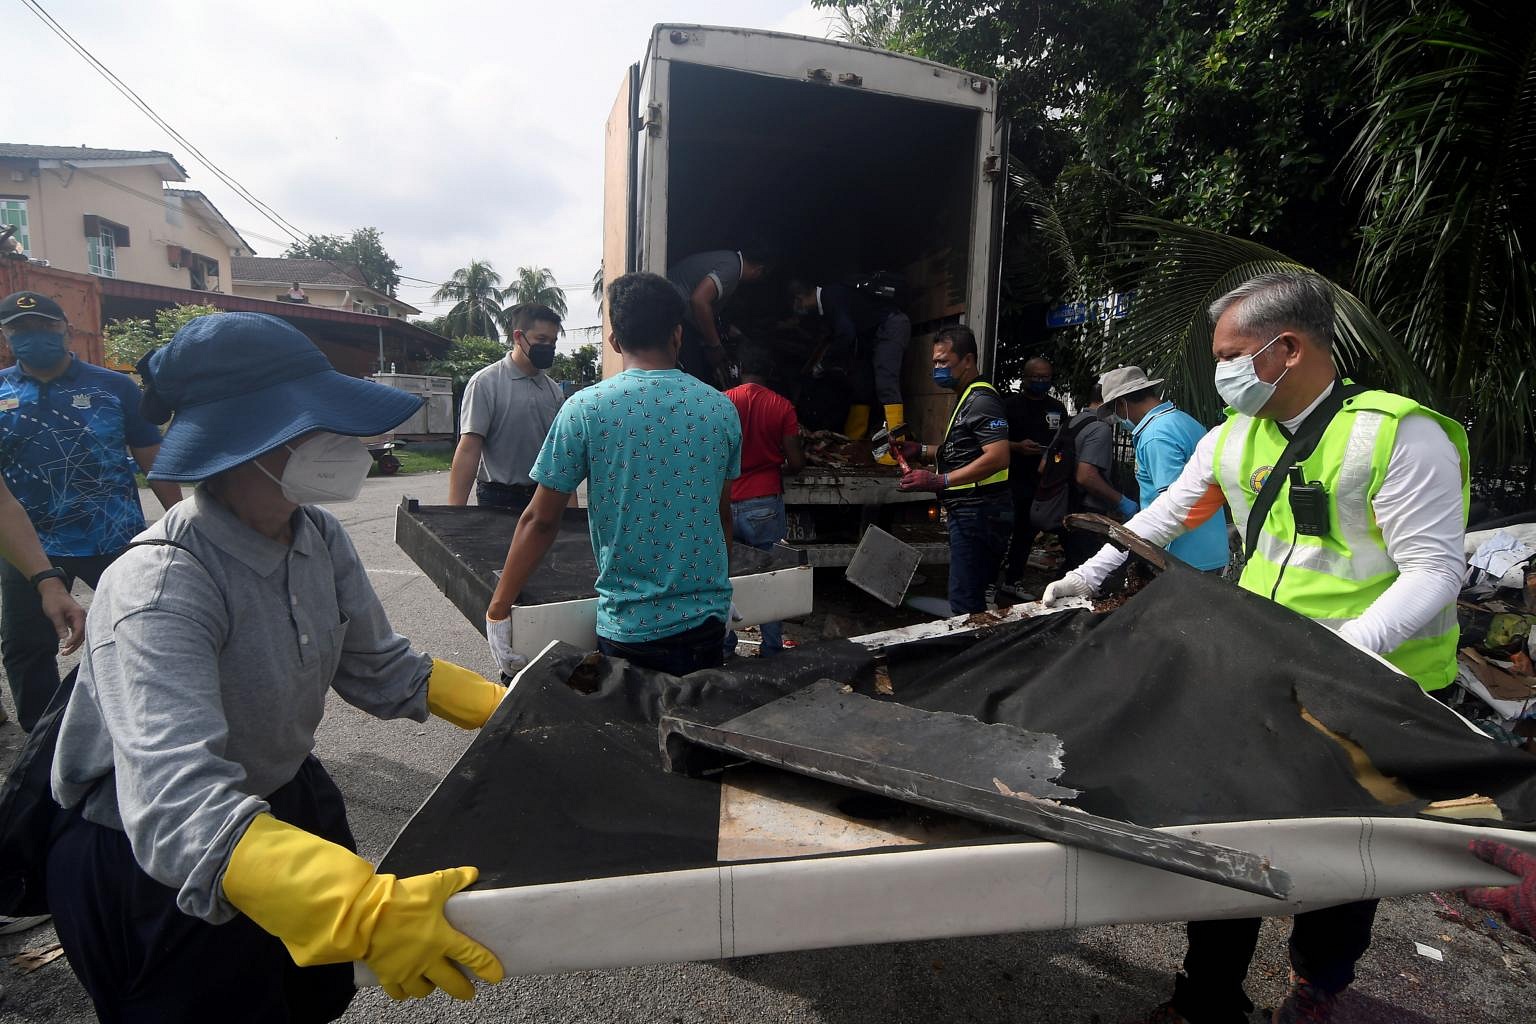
x,y
1118,535
1042,819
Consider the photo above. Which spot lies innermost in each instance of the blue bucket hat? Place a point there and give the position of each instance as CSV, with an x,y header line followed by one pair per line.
x,y
242,384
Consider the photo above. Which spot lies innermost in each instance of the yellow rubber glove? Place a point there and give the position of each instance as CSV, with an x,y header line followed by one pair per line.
x,y
457,695
328,906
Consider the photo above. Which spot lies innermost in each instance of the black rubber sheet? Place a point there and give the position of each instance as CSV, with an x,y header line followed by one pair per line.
x,y
1182,706
476,539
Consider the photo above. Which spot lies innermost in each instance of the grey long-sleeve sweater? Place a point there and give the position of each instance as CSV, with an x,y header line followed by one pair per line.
x,y
204,679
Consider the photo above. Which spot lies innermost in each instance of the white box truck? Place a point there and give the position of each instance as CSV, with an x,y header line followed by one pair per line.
x,y
852,161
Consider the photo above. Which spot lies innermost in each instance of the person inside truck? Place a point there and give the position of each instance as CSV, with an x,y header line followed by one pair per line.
x,y
707,281
770,447
203,867
869,340
972,471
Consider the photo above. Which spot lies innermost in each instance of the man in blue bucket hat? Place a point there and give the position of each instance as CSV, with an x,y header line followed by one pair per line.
x,y
205,859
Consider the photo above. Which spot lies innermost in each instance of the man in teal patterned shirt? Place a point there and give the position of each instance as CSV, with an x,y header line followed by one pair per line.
x,y
658,450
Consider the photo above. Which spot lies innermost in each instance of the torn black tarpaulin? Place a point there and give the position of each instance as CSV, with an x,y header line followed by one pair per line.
x,y
1184,706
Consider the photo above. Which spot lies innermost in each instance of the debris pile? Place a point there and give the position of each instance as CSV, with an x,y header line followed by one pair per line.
x,y
832,450
1496,681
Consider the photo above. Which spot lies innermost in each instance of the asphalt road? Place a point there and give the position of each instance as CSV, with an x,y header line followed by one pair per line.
x,y
1092,976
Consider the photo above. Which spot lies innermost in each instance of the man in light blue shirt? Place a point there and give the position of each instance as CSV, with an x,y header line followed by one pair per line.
x,y
658,450
1165,439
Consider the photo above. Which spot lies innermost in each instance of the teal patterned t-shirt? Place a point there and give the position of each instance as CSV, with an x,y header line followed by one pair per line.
x,y
656,448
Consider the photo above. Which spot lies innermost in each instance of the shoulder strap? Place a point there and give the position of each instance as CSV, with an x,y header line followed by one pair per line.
x,y
1298,449
161,542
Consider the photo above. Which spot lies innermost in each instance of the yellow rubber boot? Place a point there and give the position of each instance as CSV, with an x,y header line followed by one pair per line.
x,y
857,425
896,427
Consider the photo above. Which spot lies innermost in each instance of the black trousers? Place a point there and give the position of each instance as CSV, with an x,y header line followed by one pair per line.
x,y
28,645
143,961
489,494
1325,945
703,646
691,358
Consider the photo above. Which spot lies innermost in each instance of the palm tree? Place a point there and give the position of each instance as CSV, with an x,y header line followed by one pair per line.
x,y
1188,268
476,293
1445,167
1446,162
597,288
535,284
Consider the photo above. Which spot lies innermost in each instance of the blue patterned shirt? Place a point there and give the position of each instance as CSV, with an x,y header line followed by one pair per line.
x,y
656,448
64,454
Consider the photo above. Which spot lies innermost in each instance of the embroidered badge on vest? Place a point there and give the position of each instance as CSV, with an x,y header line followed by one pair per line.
x,y
1256,482
81,401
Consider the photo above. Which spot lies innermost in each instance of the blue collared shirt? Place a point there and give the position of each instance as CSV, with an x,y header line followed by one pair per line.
x,y
64,454
1165,441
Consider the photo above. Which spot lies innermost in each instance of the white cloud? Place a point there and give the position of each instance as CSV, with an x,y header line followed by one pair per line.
x,y
462,131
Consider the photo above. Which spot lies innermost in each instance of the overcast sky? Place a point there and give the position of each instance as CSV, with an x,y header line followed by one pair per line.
x,y
462,130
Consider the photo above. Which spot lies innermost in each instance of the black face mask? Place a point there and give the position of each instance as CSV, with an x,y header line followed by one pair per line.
x,y
541,356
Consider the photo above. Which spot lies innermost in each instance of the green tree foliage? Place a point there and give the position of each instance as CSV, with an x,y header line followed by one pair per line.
x,y
535,284
129,340
1445,168
579,367
1174,146
363,247
476,293
597,288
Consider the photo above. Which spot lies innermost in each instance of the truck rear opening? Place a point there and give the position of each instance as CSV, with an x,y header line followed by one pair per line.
x,y
848,162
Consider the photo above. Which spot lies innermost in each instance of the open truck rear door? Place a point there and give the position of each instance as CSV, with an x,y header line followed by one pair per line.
x,y
620,214
994,187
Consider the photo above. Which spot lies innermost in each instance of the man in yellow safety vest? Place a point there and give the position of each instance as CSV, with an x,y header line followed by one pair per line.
x,y
1360,527
972,472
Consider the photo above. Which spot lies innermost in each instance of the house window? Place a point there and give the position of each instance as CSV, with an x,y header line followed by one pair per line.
x,y
204,272
101,254
102,240
13,213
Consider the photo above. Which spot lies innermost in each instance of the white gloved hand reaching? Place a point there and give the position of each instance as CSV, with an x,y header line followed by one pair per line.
x,y
1069,586
498,632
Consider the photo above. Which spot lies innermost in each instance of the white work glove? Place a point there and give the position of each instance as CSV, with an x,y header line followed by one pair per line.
x,y
498,632
1069,586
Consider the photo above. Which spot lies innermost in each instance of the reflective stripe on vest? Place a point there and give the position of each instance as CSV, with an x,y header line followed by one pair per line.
x,y
1335,578
1001,476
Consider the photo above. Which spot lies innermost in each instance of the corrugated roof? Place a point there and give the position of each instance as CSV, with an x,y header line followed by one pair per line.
x,y
22,151
282,270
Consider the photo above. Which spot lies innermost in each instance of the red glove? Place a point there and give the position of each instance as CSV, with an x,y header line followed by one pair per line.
x,y
1516,902
921,480
910,450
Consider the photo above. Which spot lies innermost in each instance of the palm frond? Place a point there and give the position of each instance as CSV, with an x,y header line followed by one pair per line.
x,y
1185,269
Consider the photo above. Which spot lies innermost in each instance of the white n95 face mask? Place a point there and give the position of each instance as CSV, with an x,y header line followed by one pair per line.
x,y
1239,385
327,467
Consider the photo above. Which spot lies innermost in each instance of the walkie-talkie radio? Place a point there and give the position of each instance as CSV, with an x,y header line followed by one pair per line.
x,y
1309,505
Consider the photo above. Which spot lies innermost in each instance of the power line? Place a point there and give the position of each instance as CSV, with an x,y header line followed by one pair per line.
x,y
283,224
287,227
122,87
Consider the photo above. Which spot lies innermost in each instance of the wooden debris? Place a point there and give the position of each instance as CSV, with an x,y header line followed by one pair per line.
x,y
29,960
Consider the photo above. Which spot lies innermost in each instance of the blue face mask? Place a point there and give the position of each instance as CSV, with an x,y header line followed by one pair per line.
x,y
42,349
944,378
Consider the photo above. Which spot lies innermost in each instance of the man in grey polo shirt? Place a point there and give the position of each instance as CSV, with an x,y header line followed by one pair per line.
x,y
507,410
